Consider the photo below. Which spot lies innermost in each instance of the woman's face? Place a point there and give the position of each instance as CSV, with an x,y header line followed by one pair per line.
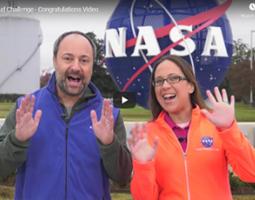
x,y
174,94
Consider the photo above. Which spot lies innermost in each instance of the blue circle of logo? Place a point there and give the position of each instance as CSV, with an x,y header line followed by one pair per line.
x,y
207,141
139,32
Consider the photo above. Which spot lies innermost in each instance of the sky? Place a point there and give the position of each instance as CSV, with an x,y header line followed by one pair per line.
x,y
241,15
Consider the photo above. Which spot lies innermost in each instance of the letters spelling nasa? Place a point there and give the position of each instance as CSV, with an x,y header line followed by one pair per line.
x,y
115,43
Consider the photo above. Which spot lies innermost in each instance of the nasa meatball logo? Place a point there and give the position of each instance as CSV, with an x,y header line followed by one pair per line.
x,y
207,141
140,32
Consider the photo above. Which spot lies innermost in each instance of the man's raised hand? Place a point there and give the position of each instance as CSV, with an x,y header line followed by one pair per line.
x,y
26,124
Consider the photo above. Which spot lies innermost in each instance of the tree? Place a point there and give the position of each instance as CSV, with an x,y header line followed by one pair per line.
x,y
241,52
240,77
101,77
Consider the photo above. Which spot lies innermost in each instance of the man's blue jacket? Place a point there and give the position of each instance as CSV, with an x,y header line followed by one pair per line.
x,y
63,158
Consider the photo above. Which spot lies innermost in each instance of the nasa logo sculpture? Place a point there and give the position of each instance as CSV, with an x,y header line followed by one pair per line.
x,y
140,32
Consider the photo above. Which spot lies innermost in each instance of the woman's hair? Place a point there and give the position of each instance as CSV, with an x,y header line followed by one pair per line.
x,y
195,98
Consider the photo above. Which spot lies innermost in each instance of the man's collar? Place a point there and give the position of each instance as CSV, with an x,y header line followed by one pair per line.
x,y
87,94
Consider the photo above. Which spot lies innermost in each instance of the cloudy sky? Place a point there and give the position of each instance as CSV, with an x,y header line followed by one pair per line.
x,y
241,16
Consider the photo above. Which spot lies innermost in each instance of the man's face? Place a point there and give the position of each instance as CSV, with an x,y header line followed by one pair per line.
x,y
73,64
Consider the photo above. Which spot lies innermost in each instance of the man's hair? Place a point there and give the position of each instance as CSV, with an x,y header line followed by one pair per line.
x,y
61,37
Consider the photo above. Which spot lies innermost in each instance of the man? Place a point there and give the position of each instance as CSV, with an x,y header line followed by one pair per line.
x,y
67,137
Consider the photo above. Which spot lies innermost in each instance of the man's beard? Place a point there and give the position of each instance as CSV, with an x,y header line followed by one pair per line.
x,y
63,85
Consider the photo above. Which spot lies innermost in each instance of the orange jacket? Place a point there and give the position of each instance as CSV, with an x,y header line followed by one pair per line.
x,y
200,173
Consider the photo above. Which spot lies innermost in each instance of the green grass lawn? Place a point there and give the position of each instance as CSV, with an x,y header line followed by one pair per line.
x,y
7,193
244,113
119,196
4,108
136,114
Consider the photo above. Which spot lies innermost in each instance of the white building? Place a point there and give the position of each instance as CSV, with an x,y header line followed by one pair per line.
x,y
20,40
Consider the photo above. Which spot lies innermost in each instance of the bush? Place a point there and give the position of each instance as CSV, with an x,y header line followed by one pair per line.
x,y
6,192
240,187
9,97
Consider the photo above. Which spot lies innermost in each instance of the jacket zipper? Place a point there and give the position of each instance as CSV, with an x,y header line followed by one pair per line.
x,y
66,151
186,173
184,154
186,164
66,119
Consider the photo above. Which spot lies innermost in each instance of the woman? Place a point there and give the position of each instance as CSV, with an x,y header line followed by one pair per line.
x,y
184,152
